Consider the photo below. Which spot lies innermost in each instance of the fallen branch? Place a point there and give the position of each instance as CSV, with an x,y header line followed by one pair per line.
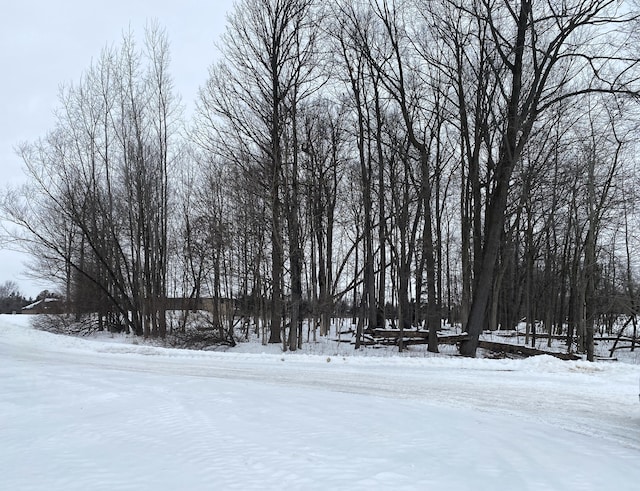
x,y
632,347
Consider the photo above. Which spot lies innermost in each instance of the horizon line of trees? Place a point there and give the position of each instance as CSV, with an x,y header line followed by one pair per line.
x,y
11,298
473,162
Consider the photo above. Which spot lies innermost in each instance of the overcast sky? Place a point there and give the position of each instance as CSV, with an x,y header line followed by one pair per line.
x,y
46,43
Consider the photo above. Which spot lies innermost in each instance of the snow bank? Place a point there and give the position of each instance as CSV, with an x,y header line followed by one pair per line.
x,y
82,414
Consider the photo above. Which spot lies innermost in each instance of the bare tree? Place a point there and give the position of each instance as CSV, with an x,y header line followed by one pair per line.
x,y
97,203
267,69
540,55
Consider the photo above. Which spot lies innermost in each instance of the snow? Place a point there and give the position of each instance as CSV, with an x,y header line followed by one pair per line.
x,y
32,305
103,414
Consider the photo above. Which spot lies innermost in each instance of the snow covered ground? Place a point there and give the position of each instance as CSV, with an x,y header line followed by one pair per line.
x,y
87,414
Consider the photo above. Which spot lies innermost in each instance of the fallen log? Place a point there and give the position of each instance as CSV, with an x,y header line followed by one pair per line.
x,y
395,333
624,346
389,337
523,350
626,339
452,338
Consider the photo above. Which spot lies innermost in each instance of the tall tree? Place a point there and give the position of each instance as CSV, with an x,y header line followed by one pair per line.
x,y
248,108
98,200
541,54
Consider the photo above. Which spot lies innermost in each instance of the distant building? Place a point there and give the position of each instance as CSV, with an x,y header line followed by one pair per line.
x,y
44,306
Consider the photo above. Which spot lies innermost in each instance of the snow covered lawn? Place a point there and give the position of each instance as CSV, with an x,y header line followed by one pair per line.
x,y
81,414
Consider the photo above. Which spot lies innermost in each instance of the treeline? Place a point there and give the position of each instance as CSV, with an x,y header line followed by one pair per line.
x,y
11,299
469,161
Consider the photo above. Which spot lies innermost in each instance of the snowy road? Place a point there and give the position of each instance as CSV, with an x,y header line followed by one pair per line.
x,y
81,414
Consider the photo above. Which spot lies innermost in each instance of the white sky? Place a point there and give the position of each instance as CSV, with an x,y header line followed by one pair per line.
x,y
46,43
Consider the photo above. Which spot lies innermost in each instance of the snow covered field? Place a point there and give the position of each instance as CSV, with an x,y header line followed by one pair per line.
x,y
87,414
